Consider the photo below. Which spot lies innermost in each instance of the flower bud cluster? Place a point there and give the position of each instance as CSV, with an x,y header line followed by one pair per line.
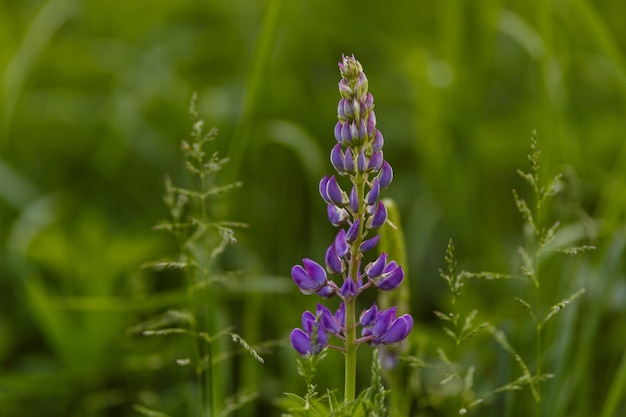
x,y
358,213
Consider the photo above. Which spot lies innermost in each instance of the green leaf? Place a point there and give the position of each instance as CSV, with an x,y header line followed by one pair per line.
x,y
303,407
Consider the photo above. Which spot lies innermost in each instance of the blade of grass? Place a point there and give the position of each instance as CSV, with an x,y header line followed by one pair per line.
x,y
617,391
51,17
258,69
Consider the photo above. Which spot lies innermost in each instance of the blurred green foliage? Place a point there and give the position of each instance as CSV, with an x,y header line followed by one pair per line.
x,y
94,100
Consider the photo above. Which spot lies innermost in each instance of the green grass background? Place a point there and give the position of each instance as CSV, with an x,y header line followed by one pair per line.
x,y
94,100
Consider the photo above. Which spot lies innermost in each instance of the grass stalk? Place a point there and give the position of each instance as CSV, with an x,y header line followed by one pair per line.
x,y
212,377
255,79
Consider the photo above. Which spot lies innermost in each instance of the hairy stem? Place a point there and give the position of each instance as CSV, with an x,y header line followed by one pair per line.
x,y
350,319
351,347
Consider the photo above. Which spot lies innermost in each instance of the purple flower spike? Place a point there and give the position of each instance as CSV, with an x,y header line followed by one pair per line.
x,y
335,194
353,231
369,244
378,218
337,159
341,244
348,289
309,279
358,213
372,196
334,264
336,215
386,175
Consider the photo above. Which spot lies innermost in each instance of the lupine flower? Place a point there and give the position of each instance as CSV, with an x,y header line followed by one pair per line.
x,y
369,316
312,339
334,263
385,176
348,289
356,209
384,327
378,217
385,276
369,244
337,216
310,279
332,323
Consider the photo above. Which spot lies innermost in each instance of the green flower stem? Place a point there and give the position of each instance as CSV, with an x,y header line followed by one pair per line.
x,y
351,347
350,319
